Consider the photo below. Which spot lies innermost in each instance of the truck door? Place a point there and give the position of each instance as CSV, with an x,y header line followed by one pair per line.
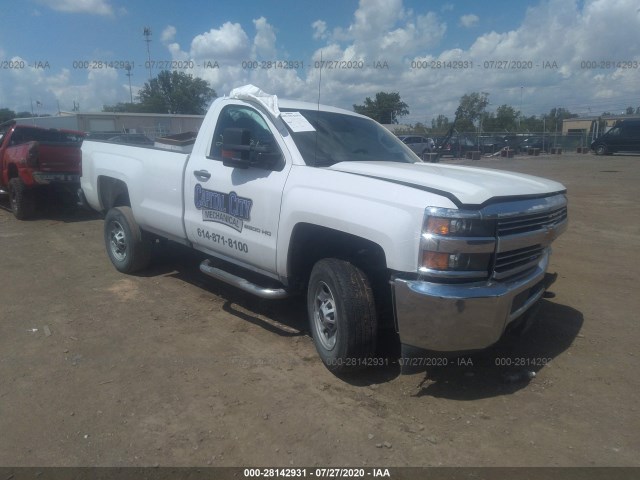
x,y
630,136
232,210
614,139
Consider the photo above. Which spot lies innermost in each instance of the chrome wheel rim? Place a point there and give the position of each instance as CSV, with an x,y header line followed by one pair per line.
x,y
117,241
325,316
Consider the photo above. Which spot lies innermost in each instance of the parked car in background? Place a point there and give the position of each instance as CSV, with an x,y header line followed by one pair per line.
x,y
120,137
131,139
513,141
623,137
456,146
419,145
544,144
491,144
34,158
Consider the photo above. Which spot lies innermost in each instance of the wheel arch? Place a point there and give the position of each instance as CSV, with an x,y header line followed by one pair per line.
x,y
112,192
310,243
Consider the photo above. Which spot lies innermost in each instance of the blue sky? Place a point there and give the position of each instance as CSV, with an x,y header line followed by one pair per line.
x,y
534,55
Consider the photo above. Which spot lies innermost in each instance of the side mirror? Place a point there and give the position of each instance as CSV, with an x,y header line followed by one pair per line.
x,y
236,147
238,152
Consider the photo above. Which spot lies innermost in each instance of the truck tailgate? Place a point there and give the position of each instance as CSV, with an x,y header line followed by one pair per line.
x,y
59,157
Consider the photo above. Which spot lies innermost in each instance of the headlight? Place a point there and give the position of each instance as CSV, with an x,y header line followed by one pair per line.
x,y
461,227
456,244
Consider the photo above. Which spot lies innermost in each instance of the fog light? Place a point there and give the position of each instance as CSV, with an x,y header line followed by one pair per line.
x,y
435,260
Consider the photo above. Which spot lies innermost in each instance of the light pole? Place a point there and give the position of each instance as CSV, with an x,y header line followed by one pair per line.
x,y
147,38
520,113
128,69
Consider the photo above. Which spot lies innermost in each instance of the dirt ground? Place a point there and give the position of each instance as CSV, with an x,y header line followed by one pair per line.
x,y
173,368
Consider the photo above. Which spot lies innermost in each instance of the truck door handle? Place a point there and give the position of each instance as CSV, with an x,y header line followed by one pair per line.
x,y
202,174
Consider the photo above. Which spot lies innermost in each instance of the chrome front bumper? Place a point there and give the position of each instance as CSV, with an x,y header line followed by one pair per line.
x,y
451,318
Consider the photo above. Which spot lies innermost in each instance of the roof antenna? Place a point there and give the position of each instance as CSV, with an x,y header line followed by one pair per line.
x,y
315,153
320,80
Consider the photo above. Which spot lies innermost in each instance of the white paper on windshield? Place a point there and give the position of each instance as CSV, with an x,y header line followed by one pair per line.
x,y
296,122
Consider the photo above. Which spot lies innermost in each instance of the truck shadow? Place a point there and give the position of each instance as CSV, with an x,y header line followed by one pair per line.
x,y
506,367
502,369
56,207
283,317
509,365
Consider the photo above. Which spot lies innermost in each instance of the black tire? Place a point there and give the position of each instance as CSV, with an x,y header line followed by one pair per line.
x,y
342,314
128,250
601,149
23,202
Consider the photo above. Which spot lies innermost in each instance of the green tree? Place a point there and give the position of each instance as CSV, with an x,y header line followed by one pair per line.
x,y
440,124
386,108
532,124
630,110
6,114
420,129
506,118
171,92
471,109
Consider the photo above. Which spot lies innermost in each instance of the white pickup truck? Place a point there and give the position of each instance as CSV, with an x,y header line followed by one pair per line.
x,y
288,197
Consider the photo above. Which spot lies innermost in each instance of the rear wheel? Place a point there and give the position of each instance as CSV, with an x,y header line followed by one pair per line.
x,y
342,314
127,249
22,200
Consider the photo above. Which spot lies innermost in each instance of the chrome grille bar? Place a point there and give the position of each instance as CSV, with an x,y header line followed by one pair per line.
x,y
529,223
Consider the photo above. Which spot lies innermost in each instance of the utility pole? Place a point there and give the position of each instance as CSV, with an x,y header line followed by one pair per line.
x,y
147,38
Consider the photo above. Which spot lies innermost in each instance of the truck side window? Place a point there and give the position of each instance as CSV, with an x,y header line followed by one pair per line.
x,y
238,116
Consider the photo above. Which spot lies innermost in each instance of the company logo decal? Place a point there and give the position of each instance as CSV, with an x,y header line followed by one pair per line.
x,y
226,208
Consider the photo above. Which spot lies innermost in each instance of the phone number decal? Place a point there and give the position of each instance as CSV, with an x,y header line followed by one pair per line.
x,y
222,240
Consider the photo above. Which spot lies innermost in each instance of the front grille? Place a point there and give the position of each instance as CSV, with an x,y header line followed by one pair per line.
x,y
530,223
515,261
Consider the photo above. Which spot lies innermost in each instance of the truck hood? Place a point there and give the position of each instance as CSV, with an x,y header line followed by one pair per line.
x,y
465,186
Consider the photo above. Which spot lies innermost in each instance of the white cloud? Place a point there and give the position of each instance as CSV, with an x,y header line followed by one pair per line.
x,y
229,42
469,20
168,34
95,7
264,43
549,47
319,29
97,88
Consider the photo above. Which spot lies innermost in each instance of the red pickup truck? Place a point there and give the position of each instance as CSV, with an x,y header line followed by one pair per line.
x,y
32,158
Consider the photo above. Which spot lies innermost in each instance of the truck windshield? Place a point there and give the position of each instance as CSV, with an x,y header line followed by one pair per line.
x,y
347,138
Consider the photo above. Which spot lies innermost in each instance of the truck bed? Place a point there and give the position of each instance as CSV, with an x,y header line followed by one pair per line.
x,y
155,178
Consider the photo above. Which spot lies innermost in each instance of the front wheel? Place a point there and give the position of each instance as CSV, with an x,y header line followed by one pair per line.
x,y
127,249
601,149
342,314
